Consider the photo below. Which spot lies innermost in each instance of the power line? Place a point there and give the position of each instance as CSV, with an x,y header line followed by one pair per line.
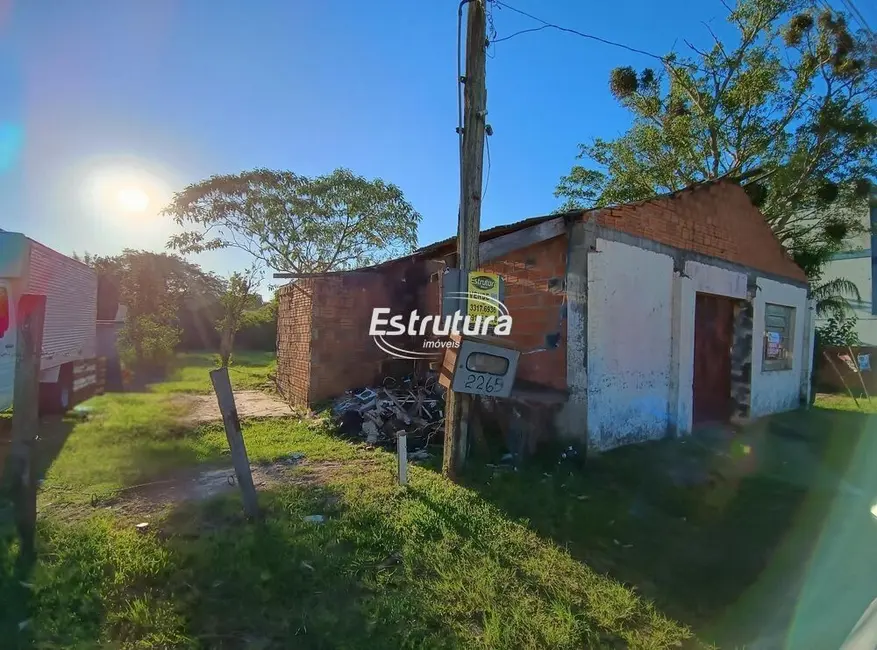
x,y
858,16
548,25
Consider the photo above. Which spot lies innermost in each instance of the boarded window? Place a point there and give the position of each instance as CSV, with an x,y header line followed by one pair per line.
x,y
779,337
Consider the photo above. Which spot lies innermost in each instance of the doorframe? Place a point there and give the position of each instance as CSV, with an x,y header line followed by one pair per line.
x,y
694,278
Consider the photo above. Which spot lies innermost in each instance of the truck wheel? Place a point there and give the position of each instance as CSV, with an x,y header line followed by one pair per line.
x,y
58,397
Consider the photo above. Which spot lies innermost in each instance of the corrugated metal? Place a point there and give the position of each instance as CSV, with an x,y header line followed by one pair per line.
x,y
70,287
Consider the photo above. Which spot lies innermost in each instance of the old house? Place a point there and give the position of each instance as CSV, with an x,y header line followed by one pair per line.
x,y
650,318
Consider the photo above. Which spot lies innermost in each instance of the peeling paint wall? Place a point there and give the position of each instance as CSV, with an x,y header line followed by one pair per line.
x,y
629,344
778,390
682,365
712,279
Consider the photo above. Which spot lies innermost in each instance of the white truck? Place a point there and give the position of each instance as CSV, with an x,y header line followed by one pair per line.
x,y
69,370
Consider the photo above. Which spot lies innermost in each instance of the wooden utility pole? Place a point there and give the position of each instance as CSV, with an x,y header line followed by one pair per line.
x,y
25,416
225,398
458,409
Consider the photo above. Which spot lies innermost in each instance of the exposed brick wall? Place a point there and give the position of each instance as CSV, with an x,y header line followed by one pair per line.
x,y
343,355
534,290
294,341
716,219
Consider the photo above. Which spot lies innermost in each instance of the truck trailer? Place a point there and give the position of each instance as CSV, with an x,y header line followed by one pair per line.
x,y
69,369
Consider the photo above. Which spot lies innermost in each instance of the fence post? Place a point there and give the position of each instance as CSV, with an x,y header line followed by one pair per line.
x,y
402,451
232,423
25,416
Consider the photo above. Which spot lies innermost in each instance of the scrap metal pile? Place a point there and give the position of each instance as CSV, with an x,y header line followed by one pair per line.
x,y
379,414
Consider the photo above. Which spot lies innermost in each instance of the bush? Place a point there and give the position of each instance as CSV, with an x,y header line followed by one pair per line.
x,y
838,332
146,344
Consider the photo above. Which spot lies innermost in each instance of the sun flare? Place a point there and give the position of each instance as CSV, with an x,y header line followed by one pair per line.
x,y
132,199
119,190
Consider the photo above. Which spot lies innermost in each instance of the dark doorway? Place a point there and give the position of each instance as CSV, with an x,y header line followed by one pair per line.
x,y
713,330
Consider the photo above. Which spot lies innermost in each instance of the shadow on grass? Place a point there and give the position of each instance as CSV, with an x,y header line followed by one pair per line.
x,y
210,579
721,530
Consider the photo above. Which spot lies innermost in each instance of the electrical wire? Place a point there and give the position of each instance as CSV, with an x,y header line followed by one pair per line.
x,y
548,25
859,17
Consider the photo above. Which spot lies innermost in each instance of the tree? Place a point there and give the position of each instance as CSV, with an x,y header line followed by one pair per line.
x,y
160,291
239,296
295,223
783,107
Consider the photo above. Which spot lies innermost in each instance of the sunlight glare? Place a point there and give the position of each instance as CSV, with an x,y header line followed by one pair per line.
x,y
132,199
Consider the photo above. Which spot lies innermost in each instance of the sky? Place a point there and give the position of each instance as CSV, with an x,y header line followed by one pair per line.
x,y
109,106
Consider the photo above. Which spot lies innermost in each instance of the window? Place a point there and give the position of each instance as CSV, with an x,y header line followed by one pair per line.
x,y
779,337
4,311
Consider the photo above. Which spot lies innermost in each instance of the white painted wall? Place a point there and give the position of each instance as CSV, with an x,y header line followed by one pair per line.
x,y
778,390
682,368
630,292
858,271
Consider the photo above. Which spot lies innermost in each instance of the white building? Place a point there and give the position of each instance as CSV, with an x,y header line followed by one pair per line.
x,y
857,264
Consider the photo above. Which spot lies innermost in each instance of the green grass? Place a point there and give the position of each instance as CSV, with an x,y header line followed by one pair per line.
x,y
727,537
846,403
431,566
247,371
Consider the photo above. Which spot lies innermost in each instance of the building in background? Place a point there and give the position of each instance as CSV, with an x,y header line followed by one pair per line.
x,y
858,264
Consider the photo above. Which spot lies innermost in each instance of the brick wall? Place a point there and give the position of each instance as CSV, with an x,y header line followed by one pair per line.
x,y
534,290
294,341
716,219
343,355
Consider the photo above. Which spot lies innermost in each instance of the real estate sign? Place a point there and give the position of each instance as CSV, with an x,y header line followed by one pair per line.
x,y
484,295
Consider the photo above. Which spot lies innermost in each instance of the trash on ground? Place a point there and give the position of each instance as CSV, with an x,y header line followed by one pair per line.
x,y
143,525
23,624
314,519
293,458
420,454
305,565
378,414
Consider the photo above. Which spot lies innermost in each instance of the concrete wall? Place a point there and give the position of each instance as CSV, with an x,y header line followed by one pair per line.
x,y
778,390
630,352
858,271
630,292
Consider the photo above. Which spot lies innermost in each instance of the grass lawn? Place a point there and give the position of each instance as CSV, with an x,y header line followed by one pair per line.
x,y
247,371
728,538
431,566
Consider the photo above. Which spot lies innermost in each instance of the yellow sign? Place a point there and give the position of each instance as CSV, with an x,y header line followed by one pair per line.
x,y
483,291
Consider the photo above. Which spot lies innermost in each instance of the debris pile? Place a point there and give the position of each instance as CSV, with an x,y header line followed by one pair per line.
x,y
379,414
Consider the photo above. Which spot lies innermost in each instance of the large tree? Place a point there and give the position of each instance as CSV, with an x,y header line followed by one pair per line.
x,y
168,300
782,105
295,223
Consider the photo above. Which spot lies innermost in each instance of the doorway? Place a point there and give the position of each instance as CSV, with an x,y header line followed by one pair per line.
x,y
713,336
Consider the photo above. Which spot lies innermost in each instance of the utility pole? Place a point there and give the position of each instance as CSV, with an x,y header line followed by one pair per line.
x,y
458,409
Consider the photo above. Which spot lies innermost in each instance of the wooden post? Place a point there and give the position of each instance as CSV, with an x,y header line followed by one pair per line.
x,y
469,219
225,397
402,452
843,381
25,416
855,360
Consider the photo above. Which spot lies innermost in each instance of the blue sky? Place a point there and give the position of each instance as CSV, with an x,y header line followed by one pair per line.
x,y
171,91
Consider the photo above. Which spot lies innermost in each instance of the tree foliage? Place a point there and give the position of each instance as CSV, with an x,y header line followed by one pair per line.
x,y
295,223
784,104
163,293
838,331
238,297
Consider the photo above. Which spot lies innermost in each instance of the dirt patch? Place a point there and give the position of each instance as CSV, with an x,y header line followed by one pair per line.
x,y
198,409
201,484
